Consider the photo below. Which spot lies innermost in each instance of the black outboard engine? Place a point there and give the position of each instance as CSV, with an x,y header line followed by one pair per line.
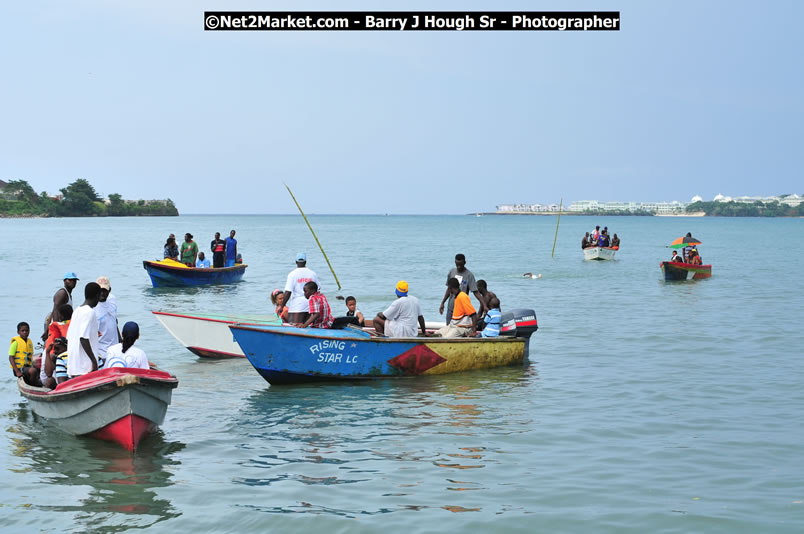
x,y
519,322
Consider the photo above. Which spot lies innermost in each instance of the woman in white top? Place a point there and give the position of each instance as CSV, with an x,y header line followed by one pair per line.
x,y
125,354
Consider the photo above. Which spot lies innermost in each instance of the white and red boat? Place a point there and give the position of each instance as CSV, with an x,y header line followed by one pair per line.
x,y
599,253
118,404
208,335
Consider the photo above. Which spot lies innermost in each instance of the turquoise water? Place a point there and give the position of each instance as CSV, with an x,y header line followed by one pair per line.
x,y
646,406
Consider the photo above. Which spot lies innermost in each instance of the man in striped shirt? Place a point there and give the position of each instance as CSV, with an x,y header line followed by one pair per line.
x,y
320,315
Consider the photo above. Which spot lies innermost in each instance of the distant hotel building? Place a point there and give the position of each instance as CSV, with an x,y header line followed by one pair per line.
x,y
658,208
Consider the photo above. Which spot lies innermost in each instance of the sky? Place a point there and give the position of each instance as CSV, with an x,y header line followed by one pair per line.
x,y
689,98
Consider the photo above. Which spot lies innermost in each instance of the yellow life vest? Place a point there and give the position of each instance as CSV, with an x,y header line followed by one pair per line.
x,y
24,354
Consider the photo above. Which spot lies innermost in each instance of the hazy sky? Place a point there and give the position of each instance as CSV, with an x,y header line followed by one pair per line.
x,y
689,98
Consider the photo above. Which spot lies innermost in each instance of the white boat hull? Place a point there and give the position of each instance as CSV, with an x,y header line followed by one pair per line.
x,y
598,253
208,336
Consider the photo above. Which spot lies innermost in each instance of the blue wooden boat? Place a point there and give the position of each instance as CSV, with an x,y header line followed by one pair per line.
x,y
166,275
284,355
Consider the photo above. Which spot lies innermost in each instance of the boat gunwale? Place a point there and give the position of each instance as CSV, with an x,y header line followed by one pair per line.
x,y
433,339
156,265
120,382
199,318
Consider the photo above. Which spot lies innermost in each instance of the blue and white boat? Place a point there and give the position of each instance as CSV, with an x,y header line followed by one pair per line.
x,y
285,355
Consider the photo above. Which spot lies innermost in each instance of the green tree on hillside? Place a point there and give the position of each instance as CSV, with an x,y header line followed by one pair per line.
x,y
80,198
22,190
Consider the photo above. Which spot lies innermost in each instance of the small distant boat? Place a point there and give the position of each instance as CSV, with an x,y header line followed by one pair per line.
x,y
118,404
208,335
599,253
174,274
291,355
685,271
676,270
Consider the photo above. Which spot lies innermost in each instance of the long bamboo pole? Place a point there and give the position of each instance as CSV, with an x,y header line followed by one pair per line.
x,y
315,236
560,205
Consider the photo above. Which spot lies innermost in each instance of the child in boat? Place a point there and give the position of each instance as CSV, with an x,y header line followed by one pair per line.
x,y
352,311
493,319
59,360
125,354
278,300
20,355
320,315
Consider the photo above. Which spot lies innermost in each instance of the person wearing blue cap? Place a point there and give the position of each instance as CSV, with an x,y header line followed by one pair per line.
x,y
297,303
125,354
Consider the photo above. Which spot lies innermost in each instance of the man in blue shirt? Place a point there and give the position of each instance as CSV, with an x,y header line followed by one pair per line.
x,y
231,249
202,261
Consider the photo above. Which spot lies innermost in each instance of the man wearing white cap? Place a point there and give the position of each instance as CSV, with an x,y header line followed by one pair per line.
x,y
298,306
106,312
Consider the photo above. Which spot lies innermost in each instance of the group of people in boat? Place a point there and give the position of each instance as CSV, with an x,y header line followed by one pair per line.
x,y
224,251
302,304
688,254
600,238
77,340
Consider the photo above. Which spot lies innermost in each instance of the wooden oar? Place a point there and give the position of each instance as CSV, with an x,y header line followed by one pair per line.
x,y
339,297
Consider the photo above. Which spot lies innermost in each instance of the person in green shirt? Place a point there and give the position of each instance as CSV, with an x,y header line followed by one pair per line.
x,y
189,250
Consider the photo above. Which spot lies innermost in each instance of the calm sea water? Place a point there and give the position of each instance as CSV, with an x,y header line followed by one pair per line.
x,y
645,407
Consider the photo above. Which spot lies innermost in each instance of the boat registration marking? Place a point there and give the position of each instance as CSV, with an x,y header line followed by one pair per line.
x,y
323,351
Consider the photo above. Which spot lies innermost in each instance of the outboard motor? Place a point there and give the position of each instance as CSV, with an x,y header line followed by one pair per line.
x,y
519,322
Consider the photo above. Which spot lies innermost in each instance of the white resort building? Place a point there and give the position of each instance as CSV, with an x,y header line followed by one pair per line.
x,y
658,208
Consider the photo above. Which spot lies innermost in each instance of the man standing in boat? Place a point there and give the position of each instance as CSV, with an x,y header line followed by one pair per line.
x,y
189,250
298,306
82,336
217,246
231,249
63,295
467,283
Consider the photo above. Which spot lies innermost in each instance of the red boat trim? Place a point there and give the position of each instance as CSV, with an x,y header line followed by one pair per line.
x,y
127,431
214,354
197,318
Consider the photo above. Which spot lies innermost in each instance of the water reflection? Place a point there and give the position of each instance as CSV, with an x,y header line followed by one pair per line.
x,y
104,487
387,438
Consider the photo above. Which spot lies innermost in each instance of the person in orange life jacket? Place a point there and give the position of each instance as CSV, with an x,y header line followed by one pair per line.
x,y
56,330
218,247
20,356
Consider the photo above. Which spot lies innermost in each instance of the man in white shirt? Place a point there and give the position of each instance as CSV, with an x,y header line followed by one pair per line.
x,y
402,316
106,311
298,307
82,336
